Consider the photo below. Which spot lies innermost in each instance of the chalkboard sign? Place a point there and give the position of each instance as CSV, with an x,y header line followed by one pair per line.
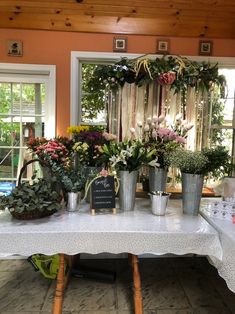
x,y
103,192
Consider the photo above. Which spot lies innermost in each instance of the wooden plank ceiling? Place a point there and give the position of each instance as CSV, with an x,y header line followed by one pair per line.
x,y
187,18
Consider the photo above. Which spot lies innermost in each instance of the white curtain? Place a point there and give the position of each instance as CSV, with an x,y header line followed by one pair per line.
x,y
132,104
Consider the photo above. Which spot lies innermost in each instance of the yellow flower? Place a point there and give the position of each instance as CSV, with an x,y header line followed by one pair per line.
x,y
80,147
77,129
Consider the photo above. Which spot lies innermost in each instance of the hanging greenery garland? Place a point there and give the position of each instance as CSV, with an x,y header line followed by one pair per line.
x,y
178,72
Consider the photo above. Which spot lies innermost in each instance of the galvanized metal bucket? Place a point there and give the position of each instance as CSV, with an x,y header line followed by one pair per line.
x,y
191,193
159,202
157,179
127,190
74,199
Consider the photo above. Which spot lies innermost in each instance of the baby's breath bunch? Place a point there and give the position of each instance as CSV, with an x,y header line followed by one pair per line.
x,y
188,161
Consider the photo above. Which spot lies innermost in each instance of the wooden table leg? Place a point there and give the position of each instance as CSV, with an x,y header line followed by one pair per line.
x,y
62,281
137,286
60,285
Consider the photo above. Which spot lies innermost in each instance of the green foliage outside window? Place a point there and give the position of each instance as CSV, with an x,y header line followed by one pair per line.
x,y
93,95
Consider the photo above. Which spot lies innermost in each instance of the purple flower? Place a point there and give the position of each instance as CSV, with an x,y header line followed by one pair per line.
x,y
163,132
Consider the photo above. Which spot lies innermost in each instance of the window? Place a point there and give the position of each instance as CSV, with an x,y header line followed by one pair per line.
x,y
223,114
222,121
27,109
81,63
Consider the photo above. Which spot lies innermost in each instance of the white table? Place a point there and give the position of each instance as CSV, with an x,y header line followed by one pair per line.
x,y
135,232
226,230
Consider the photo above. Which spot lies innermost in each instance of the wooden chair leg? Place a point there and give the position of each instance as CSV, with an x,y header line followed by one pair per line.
x,y
137,286
60,285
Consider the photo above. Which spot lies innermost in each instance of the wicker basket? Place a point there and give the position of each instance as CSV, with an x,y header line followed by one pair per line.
x,y
34,214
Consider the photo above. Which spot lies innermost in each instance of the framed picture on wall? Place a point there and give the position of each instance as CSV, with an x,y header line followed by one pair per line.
x,y
15,48
120,44
163,46
205,47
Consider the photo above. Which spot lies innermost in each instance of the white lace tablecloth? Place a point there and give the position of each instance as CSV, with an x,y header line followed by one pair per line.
x,y
136,232
226,230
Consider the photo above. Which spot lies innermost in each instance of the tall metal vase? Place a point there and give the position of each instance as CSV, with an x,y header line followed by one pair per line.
x,y
191,192
127,189
157,179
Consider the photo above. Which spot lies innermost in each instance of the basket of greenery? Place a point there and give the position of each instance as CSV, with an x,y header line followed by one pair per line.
x,y
32,200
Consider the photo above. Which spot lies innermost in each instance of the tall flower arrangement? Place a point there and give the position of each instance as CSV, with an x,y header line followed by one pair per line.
x,y
88,142
57,154
162,136
128,155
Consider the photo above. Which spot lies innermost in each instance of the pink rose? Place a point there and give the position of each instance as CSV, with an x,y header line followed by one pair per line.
x,y
49,150
166,78
104,173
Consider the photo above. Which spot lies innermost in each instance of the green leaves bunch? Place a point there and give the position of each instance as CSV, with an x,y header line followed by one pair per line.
x,y
72,179
220,161
201,75
38,196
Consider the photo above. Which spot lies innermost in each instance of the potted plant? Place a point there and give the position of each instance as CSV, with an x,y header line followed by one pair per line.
x,y
127,157
73,182
164,140
194,166
32,200
220,166
219,162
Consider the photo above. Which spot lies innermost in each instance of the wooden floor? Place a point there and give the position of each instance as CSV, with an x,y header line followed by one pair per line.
x,y
178,285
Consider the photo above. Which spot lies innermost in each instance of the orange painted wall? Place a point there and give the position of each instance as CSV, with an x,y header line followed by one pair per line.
x,y
46,47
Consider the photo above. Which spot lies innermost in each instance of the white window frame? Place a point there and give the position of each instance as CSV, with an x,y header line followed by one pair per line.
x,y
31,73
41,74
77,58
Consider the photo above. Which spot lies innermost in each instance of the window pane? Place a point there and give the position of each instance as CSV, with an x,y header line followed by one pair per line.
x,y
5,97
33,96
94,98
228,101
32,127
9,162
9,131
21,118
223,137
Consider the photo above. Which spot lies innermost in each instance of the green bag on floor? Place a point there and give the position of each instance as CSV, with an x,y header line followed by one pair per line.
x,y
47,265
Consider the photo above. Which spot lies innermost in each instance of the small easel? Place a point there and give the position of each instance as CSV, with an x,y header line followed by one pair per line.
x,y
114,210
103,189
